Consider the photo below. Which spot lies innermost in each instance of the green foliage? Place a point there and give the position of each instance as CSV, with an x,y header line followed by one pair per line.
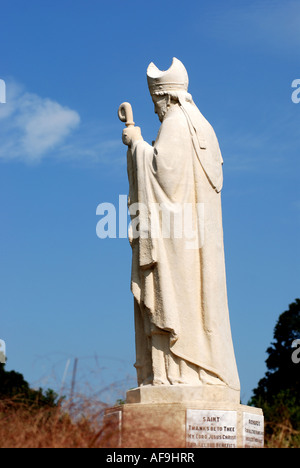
x,y
278,393
14,387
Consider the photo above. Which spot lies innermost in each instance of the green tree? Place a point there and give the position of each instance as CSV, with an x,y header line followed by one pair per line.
x,y
278,392
283,374
14,387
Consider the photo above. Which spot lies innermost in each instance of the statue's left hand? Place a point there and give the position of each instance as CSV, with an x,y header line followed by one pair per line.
x,y
131,134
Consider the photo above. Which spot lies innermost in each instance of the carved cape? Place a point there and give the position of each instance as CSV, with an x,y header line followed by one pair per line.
x,y
183,288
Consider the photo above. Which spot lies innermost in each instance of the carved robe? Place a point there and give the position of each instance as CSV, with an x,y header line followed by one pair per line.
x,y
180,287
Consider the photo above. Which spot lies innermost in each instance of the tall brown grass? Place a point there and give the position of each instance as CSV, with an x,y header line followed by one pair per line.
x,y
80,425
23,426
281,435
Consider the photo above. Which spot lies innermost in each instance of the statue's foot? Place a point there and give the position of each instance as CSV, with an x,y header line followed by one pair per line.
x,y
207,378
177,381
160,381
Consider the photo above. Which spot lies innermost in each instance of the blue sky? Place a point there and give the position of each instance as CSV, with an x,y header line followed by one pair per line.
x,y
67,67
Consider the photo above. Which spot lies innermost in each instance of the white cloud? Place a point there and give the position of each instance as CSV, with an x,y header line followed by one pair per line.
x,y
32,126
95,142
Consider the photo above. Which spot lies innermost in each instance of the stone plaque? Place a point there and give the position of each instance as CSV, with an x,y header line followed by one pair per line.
x,y
211,429
253,430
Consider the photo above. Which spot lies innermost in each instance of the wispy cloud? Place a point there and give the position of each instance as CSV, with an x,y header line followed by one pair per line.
x,y
32,126
270,145
93,142
270,24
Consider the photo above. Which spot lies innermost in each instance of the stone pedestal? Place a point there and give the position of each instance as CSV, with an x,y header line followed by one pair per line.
x,y
184,417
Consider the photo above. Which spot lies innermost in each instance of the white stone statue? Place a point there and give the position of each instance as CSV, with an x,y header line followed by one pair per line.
x,y
182,326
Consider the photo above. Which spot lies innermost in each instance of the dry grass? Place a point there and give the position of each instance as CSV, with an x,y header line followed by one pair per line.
x,y
282,435
24,427
81,425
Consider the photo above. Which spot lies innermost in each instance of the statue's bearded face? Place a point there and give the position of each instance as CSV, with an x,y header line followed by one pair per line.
x,y
161,105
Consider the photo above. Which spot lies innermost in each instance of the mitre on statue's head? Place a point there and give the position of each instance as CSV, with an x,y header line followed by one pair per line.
x,y
176,78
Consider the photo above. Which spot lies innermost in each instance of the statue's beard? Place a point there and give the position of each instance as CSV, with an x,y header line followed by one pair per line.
x,y
162,112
